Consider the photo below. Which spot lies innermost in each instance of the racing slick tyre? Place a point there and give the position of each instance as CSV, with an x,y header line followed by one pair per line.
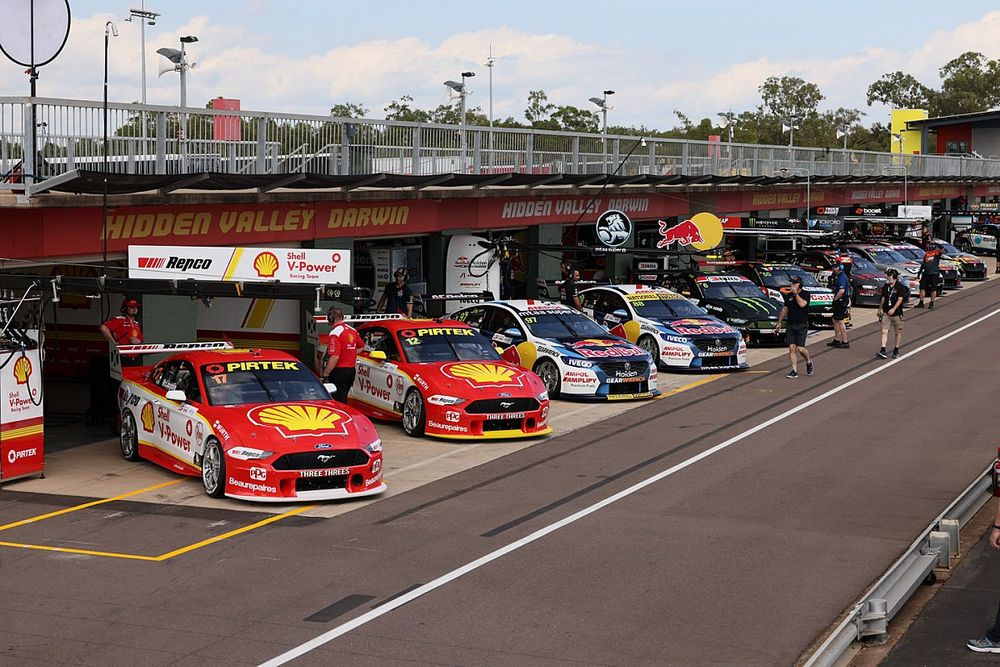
x,y
213,469
129,438
965,246
548,373
414,415
649,344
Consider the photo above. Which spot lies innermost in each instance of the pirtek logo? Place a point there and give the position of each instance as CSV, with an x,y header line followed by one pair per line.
x,y
16,454
175,263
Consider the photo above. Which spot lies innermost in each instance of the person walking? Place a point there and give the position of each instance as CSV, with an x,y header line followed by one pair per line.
x,y
397,298
929,274
341,354
841,302
890,311
796,308
990,641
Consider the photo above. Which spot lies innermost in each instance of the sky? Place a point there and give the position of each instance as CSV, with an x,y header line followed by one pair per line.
x,y
697,57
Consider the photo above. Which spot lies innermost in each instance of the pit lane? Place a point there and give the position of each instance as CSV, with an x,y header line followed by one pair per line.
x,y
98,497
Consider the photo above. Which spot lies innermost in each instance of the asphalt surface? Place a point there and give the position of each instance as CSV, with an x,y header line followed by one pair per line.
x,y
743,557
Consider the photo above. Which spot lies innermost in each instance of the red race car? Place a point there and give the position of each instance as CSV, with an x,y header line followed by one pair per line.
x,y
443,378
253,424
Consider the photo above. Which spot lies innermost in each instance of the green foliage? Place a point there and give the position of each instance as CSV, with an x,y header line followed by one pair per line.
x,y
789,97
968,85
349,110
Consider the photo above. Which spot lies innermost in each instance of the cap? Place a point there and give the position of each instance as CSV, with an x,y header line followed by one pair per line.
x,y
130,303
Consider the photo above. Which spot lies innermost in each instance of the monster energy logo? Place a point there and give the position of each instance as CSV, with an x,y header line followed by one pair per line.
x,y
753,303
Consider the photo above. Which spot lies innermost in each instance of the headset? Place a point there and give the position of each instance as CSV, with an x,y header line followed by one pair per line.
x,y
403,271
892,272
127,303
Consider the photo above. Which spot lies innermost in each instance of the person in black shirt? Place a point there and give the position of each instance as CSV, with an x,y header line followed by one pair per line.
x,y
890,310
796,308
567,291
397,297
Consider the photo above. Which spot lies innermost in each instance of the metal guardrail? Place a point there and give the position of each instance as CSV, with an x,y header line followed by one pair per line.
x,y
886,597
149,139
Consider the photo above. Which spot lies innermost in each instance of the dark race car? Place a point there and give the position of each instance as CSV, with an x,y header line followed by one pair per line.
x,y
973,267
773,277
951,272
866,278
737,301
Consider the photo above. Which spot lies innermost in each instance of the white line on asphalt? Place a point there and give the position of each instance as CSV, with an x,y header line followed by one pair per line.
x,y
395,603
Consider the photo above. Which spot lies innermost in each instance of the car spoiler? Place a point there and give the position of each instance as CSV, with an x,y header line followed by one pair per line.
x,y
116,352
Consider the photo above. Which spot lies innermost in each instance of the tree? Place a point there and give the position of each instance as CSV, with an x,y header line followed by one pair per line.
x,y
401,110
539,108
349,110
789,97
900,91
573,119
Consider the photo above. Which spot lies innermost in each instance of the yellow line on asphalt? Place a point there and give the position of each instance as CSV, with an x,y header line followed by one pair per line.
x,y
691,385
85,552
232,533
754,372
92,503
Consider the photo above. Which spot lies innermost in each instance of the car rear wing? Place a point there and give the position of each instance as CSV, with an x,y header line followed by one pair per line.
x,y
116,352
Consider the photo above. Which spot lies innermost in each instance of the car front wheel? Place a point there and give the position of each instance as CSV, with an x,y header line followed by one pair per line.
x,y
548,373
649,344
129,438
413,414
965,246
213,469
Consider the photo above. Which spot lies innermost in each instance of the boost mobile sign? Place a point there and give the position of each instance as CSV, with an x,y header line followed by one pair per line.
x,y
286,265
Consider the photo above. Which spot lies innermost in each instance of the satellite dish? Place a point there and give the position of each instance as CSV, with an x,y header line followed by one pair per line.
x,y
785,128
841,134
45,22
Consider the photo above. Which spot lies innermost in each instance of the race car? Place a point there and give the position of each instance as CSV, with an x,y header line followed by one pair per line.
x,y
884,257
973,267
676,333
735,300
771,278
574,356
979,239
442,378
866,278
253,424
951,271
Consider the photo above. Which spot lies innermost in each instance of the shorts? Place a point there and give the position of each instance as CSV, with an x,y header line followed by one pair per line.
x,y
928,282
840,309
796,334
896,321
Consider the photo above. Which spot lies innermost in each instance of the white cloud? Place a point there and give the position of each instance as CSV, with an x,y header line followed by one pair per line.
x,y
649,85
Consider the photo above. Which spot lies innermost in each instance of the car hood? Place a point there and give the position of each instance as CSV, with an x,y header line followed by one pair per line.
x,y
964,258
747,308
595,349
292,426
694,327
478,379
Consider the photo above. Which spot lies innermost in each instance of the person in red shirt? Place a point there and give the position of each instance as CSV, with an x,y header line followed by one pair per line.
x,y
124,329
341,354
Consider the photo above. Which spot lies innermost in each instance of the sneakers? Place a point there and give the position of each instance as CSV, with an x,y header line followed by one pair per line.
x,y
895,354
792,375
920,304
983,645
834,343
931,306
881,354
844,346
809,368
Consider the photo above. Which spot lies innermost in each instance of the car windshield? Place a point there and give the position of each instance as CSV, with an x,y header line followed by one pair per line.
x,y
949,249
887,256
427,345
911,253
260,381
728,290
562,325
659,308
862,265
776,277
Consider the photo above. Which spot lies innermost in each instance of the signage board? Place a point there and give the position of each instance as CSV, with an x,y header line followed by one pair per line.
x,y
286,265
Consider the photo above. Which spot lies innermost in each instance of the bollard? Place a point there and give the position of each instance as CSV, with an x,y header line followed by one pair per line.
x,y
873,620
952,527
941,541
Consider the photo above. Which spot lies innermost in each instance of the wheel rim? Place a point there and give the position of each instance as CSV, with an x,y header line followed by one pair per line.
x,y
411,411
210,467
650,346
128,436
549,375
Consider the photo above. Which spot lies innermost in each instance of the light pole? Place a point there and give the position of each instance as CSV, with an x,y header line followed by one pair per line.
x,y
785,171
842,134
463,92
490,60
179,59
727,119
109,30
602,103
146,17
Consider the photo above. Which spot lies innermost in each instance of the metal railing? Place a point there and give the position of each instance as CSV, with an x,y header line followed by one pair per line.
x,y
148,139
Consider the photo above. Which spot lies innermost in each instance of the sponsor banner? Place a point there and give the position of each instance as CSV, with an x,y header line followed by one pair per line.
x,y
469,268
507,212
287,265
21,423
613,229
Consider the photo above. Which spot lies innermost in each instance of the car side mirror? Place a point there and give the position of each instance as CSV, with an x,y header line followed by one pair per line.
x,y
177,395
621,314
513,332
330,387
377,354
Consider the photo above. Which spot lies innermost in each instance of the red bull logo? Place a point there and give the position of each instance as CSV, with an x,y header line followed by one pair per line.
x,y
702,231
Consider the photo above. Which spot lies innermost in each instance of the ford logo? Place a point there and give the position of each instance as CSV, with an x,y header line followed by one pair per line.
x,y
324,446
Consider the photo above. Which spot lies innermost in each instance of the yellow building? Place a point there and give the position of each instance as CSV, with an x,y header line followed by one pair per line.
x,y
903,140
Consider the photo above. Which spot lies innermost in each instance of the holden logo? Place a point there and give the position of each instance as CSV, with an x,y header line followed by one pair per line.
x,y
613,228
290,420
718,342
265,264
22,370
628,366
